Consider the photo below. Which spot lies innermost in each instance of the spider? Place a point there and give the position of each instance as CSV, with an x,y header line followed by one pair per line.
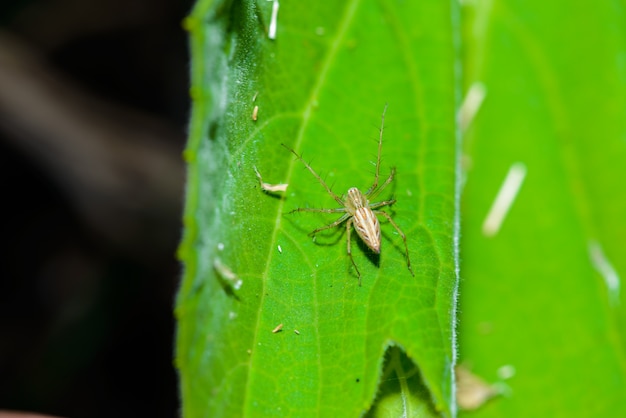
x,y
357,209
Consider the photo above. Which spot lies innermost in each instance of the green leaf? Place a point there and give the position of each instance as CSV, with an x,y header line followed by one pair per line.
x,y
320,88
542,295
402,392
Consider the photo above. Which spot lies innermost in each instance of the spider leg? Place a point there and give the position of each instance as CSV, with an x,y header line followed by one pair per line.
x,y
372,193
406,247
334,224
317,176
380,146
380,204
336,210
349,230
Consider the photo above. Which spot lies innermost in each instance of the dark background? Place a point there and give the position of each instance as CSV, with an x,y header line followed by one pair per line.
x,y
93,109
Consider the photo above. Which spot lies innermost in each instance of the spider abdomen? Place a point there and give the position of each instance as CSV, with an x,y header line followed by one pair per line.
x,y
367,226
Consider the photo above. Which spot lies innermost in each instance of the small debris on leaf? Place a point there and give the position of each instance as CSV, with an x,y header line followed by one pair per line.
x,y
227,274
472,392
268,187
255,113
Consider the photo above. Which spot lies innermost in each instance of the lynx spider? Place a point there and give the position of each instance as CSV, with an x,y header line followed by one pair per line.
x,y
357,209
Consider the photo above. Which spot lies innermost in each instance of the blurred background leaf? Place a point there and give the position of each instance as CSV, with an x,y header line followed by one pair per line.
x,y
320,87
543,313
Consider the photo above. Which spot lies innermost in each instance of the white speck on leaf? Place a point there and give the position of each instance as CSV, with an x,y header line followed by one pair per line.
x,y
255,113
268,187
227,274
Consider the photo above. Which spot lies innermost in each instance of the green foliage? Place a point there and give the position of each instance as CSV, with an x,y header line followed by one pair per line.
x,y
532,296
540,296
321,86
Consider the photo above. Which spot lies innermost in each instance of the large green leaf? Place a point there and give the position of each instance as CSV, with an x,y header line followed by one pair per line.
x,y
542,295
321,86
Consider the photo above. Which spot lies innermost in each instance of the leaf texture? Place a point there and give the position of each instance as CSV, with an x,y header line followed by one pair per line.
x,y
320,88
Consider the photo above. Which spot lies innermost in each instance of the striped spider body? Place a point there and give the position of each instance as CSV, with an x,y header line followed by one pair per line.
x,y
363,218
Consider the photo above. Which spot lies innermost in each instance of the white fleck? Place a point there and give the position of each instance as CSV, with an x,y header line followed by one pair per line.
x,y
471,104
506,372
255,113
278,328
409,192
271,33
268,187
280,249
506,195
606,270
220,246
255,96
227,274
232,315
296,332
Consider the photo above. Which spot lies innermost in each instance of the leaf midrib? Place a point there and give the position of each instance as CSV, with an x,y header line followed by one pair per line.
x,y
345,23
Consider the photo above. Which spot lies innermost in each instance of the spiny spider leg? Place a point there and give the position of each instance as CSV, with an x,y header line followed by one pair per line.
x,y
406,247
381,204
376,192
334,224
380,146
349,230
335,210
330,192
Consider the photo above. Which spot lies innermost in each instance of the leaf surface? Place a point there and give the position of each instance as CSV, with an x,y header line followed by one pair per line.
x,y
320,88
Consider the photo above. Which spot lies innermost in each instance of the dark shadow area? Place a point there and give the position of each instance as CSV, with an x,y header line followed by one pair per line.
x,y
401,391
371,255
93,113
